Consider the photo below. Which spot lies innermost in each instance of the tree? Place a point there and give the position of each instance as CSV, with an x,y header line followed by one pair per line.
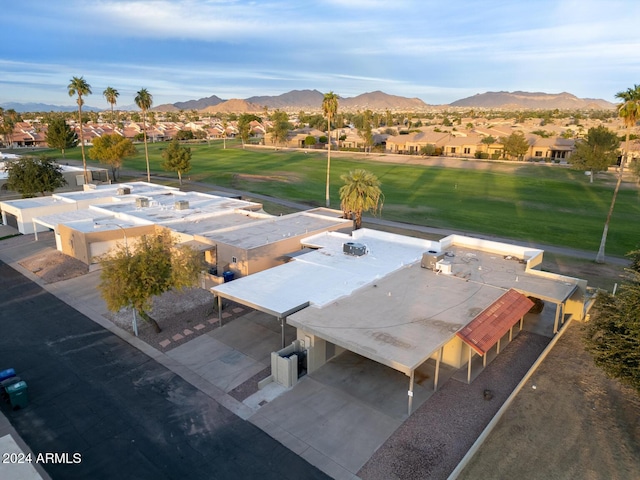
x,y
515,145
59,135
144,100
111,95
597,151
279,127
130,279
309,141
8,120
329,109
629,111
244,126
360,193
111,150
177,158
613,332
365,132
29,176
80,87
488,141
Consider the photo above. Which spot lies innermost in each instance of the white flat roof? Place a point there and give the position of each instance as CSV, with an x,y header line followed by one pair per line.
x,y
322,276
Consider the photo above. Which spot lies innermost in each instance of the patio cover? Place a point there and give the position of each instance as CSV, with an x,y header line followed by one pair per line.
x,y
484,331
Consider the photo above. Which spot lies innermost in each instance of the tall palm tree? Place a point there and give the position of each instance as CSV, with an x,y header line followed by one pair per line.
x,y
629,111
360,193
329,109
80,87
144,100
111,95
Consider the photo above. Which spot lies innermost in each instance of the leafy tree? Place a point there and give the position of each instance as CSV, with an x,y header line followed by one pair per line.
x,y
144,100
8,120
79,86
365,132
130,279
177,158
515,145
244,126
310,141
280,127
111,150
111,96
184,135
613,332
488,141
329,109
30,175
629,111
360,193
59,135
597,151
429,149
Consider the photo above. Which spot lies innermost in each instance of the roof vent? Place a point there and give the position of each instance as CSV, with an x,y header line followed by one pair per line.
x,y
430,258
182,205
142,202
124,191
356,249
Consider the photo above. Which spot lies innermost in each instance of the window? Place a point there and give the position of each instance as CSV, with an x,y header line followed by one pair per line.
x,y
234,259
538,153
453,149
467,150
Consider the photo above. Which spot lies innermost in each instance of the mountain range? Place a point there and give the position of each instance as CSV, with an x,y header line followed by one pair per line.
x,y
307,100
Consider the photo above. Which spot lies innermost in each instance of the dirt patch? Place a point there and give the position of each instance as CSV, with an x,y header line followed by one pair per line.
x,y
284,177
569,421
53,266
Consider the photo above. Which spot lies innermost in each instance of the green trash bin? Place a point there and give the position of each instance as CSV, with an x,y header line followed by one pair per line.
x,y
18,396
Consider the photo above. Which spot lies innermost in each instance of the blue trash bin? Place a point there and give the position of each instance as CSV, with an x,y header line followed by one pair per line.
x,y
228,276
8,373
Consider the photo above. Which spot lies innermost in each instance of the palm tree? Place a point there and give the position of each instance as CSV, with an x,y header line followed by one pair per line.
x,y
360,193
111,95
80,87
629,111
329,109
144,100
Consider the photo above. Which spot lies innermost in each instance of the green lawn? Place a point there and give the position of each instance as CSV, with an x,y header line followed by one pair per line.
x,y
527,202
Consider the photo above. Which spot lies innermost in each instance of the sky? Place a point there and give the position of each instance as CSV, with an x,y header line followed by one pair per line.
x,y
439,51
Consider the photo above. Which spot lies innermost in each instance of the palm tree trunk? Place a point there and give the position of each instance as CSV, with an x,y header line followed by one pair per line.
x,y
84,158
327,200
146,150
605,231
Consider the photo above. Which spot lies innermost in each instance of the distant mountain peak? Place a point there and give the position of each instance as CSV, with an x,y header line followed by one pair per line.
x,y
530,100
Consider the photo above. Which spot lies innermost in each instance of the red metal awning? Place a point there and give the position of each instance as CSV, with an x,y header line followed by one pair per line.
x,y
484,331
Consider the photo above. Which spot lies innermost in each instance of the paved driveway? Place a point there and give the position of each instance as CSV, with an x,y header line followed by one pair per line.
x,y
129,417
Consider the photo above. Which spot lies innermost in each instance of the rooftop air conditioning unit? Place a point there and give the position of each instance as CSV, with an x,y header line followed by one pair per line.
x,y
444,267
430,258
142,202
182,205
356,249
124,191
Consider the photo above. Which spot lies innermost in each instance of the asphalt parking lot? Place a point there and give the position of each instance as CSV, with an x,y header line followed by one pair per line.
x,y
127,416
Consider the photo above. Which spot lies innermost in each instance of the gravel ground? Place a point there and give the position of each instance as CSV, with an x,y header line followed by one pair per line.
x,y
434,439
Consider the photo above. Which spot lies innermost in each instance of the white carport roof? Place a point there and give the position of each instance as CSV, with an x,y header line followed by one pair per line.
x,y
325,275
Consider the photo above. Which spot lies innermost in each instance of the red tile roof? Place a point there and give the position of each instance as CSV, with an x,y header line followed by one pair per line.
x,y
484,331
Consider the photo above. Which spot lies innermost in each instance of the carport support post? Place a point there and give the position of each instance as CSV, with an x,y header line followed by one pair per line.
x,y
437,374
410,393
219,310
555,323
282,329
469,367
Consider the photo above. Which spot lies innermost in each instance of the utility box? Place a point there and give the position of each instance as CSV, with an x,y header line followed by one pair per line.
x,y
285,364
355,249
182,205
17,394
142,202
430,258
124,191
